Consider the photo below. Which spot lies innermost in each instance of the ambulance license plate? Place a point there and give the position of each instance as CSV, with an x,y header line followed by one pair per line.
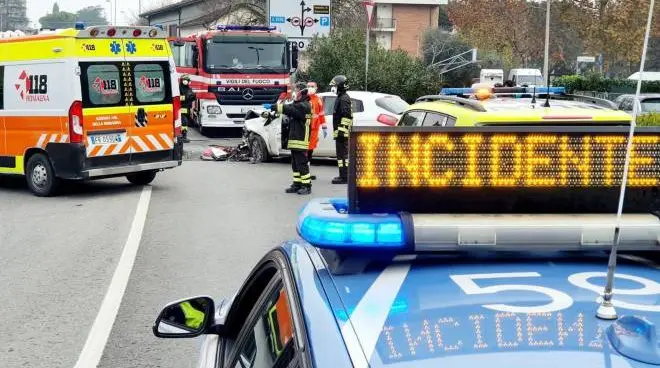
x,y
106,138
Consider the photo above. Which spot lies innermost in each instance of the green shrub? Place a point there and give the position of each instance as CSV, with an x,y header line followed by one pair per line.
x,y
650,119
599,84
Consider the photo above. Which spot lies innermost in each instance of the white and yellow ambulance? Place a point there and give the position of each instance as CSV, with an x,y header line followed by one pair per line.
x,y
88,103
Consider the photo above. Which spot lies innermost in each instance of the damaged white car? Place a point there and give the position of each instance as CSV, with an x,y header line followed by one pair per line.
x,y
264,136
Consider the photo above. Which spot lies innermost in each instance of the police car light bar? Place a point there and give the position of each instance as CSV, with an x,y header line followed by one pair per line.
x,y
325,224
222,27
505,90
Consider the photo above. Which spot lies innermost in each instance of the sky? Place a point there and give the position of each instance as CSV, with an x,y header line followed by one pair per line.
x,y
38,8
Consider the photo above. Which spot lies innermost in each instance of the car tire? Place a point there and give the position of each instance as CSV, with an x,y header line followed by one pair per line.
x,y
258,150
141,178
40,176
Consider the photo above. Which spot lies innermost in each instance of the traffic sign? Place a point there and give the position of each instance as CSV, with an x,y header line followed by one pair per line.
x,y
301,19
369,6
586,59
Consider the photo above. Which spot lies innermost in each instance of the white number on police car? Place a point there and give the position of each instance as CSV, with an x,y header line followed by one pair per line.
x,y
559,299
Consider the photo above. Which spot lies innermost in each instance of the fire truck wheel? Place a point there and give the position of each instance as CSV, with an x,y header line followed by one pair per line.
x,y
258,150
40,176
141,178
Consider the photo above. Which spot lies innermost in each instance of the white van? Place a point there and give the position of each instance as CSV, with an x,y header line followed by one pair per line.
x,y
491,76
527,77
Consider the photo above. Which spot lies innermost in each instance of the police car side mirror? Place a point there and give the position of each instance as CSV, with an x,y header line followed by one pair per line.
x,y
185,318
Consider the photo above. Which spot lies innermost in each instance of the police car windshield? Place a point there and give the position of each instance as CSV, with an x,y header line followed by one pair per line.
x,y
247,57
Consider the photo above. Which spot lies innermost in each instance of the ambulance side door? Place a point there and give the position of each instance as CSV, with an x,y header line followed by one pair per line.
x,y
37,97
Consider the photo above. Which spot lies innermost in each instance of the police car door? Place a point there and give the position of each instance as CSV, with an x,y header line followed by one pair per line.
x,y
150,67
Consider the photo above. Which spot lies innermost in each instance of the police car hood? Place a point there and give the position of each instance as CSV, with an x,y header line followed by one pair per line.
x,y
491,312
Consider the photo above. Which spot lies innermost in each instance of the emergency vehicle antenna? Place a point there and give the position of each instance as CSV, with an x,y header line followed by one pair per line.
x,y
606,309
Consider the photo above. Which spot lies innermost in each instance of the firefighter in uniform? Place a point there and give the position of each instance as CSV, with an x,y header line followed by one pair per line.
x,y
318,120
342,121
300,119
187,97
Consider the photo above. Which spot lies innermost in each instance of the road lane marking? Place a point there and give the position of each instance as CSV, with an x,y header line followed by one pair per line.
x,y
90,356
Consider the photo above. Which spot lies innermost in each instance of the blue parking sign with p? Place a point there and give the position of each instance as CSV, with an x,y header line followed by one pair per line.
x,y
324,21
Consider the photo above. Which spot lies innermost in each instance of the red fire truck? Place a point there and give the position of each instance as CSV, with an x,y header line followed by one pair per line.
x,y
234,69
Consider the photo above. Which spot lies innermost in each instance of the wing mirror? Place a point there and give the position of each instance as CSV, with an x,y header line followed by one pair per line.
x,y
185,318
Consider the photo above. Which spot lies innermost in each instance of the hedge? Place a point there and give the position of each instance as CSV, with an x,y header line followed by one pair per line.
x,y
598,84
651,119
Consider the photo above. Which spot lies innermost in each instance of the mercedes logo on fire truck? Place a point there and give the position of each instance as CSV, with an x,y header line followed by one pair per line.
x,y
248,94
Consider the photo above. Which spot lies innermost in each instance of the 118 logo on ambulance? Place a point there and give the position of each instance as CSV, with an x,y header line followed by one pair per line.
x,y
32,87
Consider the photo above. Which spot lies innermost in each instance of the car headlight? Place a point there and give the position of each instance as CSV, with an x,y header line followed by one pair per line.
x,y
213,109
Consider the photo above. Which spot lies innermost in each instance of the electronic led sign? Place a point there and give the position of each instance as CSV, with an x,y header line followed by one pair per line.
x,y
522,163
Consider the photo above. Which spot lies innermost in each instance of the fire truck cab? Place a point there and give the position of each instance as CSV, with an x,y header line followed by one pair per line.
x,y
234,69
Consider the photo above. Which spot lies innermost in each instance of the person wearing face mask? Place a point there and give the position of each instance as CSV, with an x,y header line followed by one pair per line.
x,y
342,121
299,114
318,120
187,97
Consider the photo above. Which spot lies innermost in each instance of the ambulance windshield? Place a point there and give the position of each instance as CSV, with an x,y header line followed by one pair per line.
x,y
225,55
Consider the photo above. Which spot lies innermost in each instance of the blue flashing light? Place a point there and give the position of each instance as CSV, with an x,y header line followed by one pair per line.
x,y
267,106
325,224
159,26
80,26
223,27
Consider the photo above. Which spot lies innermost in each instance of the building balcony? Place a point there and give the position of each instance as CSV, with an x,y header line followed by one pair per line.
x,y
384,25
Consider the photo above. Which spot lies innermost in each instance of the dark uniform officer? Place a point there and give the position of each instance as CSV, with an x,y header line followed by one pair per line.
x,y
342,121
300,119
187,97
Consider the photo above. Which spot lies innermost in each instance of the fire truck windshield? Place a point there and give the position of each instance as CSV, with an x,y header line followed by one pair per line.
x,y
253,57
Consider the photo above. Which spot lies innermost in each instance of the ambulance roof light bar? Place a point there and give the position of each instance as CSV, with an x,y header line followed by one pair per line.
x,y
324,223
121,32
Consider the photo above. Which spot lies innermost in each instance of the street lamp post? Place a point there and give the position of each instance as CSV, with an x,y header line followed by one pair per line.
x,y
546,53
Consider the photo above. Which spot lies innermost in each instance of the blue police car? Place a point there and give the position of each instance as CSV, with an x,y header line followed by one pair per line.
x,y
470,247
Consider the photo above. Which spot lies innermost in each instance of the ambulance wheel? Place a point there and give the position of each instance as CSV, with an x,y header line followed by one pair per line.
x,y
141,178
40,176
258,149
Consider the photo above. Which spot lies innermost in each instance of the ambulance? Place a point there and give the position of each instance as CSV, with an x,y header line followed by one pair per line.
x,y
88,103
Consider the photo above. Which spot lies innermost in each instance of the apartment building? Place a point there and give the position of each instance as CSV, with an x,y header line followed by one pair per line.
x,y
400,24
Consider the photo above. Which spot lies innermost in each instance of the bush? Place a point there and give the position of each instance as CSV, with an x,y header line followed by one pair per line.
x,y
394,72
599,84
651,119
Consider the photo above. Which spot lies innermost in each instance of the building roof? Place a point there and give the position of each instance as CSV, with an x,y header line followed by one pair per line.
x,y
169,8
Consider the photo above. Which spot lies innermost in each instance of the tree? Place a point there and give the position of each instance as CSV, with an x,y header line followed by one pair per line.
x,y
92,16
58,19
488,25
439,45
392,72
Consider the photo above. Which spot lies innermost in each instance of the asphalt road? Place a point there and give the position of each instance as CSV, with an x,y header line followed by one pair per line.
x,y
207,224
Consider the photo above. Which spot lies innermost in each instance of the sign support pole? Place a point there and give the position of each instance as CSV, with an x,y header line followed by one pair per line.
x,y
366,63
369,6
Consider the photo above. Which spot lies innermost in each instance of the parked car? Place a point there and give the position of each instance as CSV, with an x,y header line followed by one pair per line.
x,y
369,109
649,103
